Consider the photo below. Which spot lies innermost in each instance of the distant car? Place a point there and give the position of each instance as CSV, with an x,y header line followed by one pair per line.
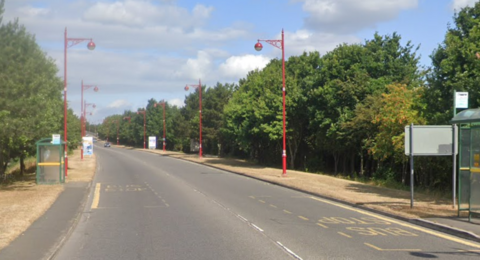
x,y
107,144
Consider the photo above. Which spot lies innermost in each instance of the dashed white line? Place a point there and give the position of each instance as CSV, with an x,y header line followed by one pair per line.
x,y
256,227
242,218
289,251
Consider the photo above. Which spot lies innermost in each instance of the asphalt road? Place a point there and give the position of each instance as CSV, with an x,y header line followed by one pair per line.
x,y
146,206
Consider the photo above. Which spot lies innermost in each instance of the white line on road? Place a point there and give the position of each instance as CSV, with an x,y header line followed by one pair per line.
x,y
256,227
289,251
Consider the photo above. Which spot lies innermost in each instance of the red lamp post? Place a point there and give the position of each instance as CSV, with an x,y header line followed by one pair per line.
x,y
199,87
162,103
279,44
144,112
83,116
72,41
82,121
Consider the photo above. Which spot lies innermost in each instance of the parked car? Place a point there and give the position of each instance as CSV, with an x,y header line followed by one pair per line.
x,y
107,144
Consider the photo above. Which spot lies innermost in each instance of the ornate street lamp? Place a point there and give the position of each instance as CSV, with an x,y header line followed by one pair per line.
x,y
199,87
279,44
144,112
162,103
72,41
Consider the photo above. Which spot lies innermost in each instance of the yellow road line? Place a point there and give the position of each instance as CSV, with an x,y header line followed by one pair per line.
x,y
302,217
322,225
343,234
96,196
401,249
286,211
262,201
431,232
273,206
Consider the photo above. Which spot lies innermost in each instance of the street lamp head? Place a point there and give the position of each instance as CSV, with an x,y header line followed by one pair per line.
x,y
258,46
91,45
95,89
186,88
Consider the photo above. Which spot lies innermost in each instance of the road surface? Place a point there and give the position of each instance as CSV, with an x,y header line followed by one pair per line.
x,y
148,206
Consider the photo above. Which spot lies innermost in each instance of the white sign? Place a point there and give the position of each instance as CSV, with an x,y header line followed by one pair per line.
x,y
431,140
461,99
152,142
87,142
55,139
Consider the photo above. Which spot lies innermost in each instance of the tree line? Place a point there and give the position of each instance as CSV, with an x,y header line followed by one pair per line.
x,y
345,110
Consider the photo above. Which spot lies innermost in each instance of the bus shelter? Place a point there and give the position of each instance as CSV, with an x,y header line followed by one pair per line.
x,y
50,162
469,161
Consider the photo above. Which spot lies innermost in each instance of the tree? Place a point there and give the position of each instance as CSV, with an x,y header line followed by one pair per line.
x,y
455,66
30,97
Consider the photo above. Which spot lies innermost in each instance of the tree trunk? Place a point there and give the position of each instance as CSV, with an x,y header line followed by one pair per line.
x,y
22,165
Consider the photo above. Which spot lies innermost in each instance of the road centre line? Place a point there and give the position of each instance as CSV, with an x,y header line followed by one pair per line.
x,y
289,251
431,232
96,196
257,227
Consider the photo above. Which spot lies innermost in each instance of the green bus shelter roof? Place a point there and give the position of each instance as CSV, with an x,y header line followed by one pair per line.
x,y
467,116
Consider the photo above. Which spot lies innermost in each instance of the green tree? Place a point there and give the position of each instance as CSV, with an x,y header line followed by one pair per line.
x,y
455,66
30,94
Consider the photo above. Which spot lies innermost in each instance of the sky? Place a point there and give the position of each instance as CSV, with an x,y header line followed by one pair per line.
x,y
153,48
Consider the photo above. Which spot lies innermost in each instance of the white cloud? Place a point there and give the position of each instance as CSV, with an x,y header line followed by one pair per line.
x,y
308,41
119,103
347,16
143,13
459,4
177,102
30,11
198,68
237,67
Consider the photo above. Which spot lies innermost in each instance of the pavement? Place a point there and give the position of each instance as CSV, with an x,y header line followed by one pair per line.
x,y
53,228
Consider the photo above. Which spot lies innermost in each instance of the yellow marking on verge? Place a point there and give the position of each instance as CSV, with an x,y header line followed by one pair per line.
x,y
345,235
252,197
262,201
381,249
286,211
96,196
302,217
273,206
49,164
322,225
431,232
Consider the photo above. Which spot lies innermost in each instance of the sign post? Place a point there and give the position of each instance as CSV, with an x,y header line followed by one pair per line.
x,y
434,140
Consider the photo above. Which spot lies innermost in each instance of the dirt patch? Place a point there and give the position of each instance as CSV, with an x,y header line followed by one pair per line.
x,y
23,202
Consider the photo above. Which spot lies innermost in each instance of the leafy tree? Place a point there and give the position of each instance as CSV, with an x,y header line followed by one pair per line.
x,y
455,66
30,94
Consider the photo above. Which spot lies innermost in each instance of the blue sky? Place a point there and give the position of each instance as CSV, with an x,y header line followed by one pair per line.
x,y
153,48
